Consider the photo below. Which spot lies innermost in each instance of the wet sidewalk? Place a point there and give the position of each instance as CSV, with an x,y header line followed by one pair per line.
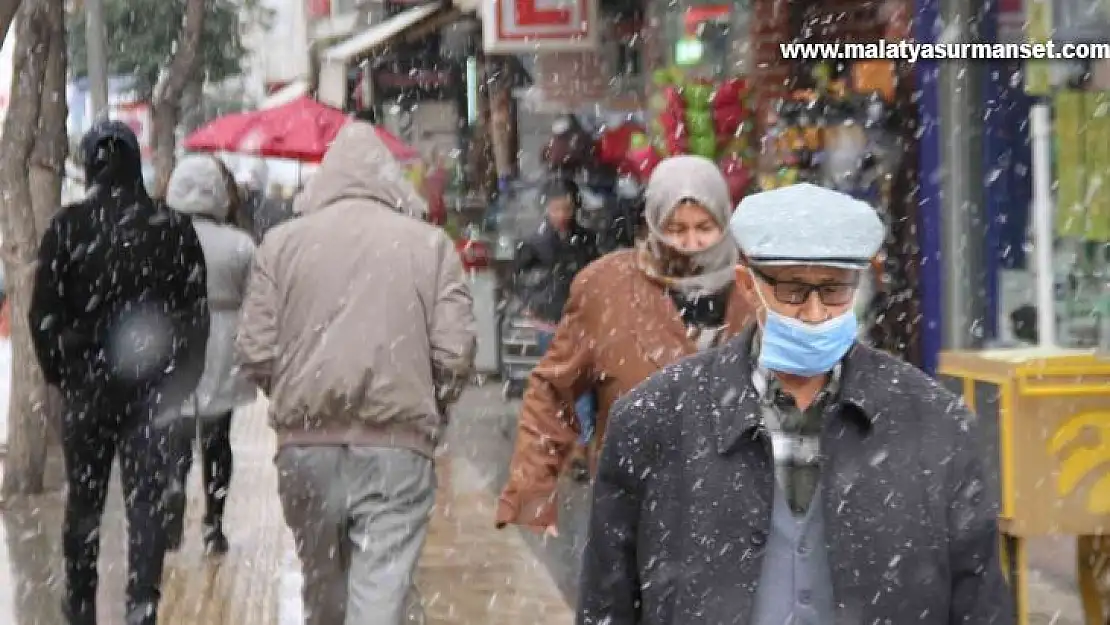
x,y
470,573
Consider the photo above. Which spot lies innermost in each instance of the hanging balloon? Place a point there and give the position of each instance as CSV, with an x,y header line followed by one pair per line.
x,y
738,176
730,93
615,142
698,95
642,161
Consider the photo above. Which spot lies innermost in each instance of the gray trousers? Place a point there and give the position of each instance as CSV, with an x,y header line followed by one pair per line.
x,y
359,516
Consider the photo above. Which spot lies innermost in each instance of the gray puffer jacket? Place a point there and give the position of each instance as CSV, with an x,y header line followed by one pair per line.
x,y
197,188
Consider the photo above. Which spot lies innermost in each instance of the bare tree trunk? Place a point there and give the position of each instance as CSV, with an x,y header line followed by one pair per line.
x,y
192,104
7,12
482,174
503,120
166,105
32,153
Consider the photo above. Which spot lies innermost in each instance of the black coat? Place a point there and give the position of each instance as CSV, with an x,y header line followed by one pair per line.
x,y
545,266
682,501
119,307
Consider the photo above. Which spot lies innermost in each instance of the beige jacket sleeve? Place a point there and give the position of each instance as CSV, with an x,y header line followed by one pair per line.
x,y
451,325
256,342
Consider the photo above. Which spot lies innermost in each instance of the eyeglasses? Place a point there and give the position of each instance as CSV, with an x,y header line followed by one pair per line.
x,y
797,293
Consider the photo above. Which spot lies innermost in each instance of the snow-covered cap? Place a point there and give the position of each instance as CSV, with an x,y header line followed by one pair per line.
x,y
197,187
804,224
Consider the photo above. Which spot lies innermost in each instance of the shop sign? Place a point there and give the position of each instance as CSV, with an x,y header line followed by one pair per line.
x,y
523,26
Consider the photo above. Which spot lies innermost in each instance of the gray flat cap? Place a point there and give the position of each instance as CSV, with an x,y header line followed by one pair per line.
x,y
804,224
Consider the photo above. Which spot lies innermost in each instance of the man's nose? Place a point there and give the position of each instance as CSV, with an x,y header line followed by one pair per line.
x,y
813,310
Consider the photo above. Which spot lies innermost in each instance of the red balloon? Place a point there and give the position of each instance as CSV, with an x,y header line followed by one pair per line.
x,y
738,176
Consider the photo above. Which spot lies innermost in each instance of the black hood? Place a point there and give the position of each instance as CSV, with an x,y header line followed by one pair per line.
x,y
112,158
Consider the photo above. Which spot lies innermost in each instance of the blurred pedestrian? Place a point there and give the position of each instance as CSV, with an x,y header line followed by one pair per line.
x,y
202,187
358,325
119,320
544,267
794,475
259,212
630,314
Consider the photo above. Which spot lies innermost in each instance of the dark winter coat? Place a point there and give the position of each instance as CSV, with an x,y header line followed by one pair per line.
x,y
682,502
119,307
545,266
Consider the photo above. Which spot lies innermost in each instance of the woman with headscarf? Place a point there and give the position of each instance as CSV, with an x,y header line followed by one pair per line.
x,y
201,187
630,314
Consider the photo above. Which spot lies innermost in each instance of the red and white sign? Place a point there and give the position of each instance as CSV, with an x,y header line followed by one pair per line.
x,y
522,26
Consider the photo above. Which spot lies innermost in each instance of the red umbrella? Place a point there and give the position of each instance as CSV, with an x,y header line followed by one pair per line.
x,y
301,130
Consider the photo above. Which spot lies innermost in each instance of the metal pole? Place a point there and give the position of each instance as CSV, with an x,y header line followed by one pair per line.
x,y
97,61
963,227
1040,130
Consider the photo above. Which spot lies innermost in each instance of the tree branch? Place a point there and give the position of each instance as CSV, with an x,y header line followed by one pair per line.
x,y
18,139
184,60
8,9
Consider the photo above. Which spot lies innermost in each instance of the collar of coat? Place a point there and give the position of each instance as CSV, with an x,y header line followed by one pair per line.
x,y
737,413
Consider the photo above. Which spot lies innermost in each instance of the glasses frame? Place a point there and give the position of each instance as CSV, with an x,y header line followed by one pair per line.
x,y
807,289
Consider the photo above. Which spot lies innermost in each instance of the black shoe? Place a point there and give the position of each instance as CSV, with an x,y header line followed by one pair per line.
x,y
215,542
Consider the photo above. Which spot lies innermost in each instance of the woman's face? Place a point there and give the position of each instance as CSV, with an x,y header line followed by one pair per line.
x,y
691,228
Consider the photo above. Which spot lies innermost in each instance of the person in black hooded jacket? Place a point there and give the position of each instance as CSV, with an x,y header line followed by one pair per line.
x,y
544,268
119,322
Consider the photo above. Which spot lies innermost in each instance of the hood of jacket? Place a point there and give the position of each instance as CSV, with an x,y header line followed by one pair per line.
x,y
112,158
197,187
358,166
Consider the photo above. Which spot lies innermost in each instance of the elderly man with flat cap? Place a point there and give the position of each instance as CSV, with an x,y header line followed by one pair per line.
x,y
794,475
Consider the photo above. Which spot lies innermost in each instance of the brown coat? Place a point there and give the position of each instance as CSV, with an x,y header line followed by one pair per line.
x,y
618,328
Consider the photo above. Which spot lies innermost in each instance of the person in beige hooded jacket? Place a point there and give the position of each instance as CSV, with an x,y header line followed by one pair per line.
x,y
358,325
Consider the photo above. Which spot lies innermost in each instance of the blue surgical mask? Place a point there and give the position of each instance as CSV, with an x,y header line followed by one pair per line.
x,y
798,348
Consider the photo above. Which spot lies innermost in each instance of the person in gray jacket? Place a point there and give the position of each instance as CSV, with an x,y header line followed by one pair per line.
x,y
201,187
359,326
794,475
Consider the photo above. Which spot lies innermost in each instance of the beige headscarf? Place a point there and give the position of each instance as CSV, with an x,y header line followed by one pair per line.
x,y
675,180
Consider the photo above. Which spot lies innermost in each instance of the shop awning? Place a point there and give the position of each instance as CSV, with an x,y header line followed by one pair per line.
x,y
335,60
379,34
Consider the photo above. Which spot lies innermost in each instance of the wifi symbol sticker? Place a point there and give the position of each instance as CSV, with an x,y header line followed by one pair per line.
x,y
1082,444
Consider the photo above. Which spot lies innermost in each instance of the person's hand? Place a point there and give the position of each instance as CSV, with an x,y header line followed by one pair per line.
x,y
551,531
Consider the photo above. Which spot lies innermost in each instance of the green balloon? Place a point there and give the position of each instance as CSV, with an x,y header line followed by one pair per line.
x,y
697,95
703,145
700,122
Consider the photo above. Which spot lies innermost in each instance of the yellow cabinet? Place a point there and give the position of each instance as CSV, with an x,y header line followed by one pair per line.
x,y
1046,413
